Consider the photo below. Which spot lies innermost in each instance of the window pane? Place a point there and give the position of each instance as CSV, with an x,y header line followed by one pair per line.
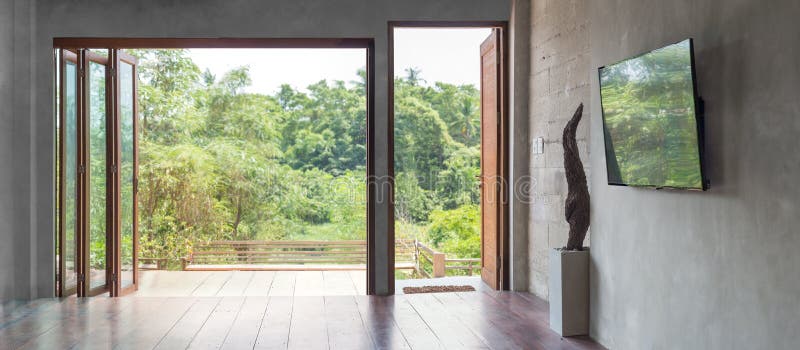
x,y
126,171
70,175
97,174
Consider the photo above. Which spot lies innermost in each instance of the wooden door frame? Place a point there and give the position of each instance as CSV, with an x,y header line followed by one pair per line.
x,y
503,157
278,43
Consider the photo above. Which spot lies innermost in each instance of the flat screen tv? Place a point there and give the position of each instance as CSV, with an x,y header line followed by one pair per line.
x,y
651,125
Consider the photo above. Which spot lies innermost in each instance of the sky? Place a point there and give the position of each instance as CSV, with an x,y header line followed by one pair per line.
x,y
446,55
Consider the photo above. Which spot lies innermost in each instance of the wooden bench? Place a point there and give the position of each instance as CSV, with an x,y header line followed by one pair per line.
x,y
287,256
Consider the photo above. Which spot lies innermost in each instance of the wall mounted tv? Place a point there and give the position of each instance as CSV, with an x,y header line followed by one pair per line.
x,y
651,123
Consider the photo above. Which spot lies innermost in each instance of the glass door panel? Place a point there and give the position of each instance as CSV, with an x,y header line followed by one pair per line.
x,y
96,203
127,173
70,204
97,176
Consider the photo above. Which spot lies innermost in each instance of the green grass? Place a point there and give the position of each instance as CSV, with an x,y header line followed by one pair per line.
x,y
325,232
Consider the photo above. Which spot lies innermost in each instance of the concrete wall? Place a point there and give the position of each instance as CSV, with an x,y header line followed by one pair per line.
x,y
714,270
520,43
559,82
15,170
7,285
30,219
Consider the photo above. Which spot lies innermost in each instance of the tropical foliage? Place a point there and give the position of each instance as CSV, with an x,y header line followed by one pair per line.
x,y
218,162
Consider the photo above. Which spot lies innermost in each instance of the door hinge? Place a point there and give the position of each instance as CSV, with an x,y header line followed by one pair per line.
x,y
81,278
113,168
81,169
113,278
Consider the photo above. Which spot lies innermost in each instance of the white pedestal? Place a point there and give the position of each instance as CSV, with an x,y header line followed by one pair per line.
x,y
569,292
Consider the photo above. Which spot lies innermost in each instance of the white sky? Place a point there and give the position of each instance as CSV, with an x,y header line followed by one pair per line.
x,y
442,54
447,55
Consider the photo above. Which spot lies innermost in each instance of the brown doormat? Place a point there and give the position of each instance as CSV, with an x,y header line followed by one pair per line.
x,y
437,289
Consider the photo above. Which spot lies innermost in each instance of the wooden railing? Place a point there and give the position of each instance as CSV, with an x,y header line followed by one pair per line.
x,y
288,255
440,262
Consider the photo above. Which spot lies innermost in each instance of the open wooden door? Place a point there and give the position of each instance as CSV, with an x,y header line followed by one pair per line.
x,y
94,216
491,161
125,160
97,161
67,265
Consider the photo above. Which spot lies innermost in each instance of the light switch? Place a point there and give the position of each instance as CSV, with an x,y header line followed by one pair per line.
x,y
538,145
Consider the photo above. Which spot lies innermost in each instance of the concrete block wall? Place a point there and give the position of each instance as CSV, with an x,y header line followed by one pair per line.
x,y
559,81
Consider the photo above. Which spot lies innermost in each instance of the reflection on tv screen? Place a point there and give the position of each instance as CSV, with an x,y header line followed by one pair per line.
x,y
650,127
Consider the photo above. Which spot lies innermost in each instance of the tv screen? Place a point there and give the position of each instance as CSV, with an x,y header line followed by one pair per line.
x,y
650,120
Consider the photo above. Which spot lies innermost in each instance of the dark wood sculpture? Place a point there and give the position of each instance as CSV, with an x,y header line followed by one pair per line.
x,y
577,203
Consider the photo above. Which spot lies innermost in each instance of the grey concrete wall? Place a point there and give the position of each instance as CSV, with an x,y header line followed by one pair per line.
x,y
15,187
714,270
30,178
7,257
559,82
520,143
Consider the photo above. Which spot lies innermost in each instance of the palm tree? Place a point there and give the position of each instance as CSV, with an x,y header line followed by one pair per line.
x,y
465,124
413,75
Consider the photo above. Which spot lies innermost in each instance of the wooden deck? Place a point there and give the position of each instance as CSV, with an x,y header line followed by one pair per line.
x,y
273,283
475,320
250,283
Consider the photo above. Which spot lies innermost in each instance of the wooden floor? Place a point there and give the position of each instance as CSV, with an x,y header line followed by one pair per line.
x,y
272,283
470,320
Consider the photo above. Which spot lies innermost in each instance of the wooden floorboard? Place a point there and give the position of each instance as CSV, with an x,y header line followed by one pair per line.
x,y
338,283
467,320
260,284
308,330
448,328
415,330
486,323
377,315
147,333
283,284
245,328
274,330
214,331
346,328
237,284
183,332
309,283
98,319
108,327
213,284
29,328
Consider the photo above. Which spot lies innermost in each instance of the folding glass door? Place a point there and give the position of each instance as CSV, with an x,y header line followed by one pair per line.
x,y
96,202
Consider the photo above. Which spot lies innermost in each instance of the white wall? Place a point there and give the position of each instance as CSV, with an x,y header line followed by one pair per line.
x,y
29,220
714,270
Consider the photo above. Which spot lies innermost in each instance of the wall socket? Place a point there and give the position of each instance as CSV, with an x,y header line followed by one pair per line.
x,y
538,145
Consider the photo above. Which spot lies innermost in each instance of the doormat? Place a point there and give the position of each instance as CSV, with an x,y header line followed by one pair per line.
x,y
437,289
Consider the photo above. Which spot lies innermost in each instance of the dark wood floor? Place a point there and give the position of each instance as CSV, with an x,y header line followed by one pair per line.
x,y
480,320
